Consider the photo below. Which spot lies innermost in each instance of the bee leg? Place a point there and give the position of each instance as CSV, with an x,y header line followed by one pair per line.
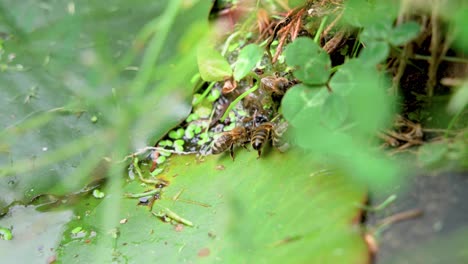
x,y
244,146
259,153
232,152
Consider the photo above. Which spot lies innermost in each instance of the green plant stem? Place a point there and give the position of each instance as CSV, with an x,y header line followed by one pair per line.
x,y
381,206
320,29
140,175
355,47
168,213
237,100
204,94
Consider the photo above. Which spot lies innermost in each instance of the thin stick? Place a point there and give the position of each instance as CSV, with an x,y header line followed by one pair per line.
x,y
434,48
143,194
405,215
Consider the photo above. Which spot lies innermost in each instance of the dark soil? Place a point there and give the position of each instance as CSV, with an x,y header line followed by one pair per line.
x,y
442,199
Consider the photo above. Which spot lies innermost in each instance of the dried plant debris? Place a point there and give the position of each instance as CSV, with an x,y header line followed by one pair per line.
x,y
404,134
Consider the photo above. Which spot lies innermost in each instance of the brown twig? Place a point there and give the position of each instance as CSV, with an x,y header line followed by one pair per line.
x,y
434,48
405,215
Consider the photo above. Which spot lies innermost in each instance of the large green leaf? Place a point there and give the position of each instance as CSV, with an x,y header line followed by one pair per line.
x,y
75,87
334,111
276,209
302,103
358,81
460,20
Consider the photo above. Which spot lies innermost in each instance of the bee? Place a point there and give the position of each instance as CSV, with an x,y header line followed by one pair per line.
x,y
266,131
260,135
226,140
275,85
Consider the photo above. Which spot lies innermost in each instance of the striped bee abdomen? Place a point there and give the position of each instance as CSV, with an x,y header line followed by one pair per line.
x,y
261,135
221,144
227,140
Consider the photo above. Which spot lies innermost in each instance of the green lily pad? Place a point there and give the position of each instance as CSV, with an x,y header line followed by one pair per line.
x,y
48,141
276,209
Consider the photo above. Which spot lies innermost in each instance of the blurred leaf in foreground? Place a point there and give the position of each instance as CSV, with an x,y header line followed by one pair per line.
x,y
280,208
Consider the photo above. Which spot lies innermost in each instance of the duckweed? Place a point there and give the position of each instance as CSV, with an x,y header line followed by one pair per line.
x,y
156,172
189,134
179,142
165,143
160,159
179,148
215,94
98,194
5,233
203,139
165,153
76,230
198,129
192,117
179,145
176,134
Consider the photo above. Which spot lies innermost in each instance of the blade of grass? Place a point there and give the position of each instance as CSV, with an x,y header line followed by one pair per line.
x,y
155,46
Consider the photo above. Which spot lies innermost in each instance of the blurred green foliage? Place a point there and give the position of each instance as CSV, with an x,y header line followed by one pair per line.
x,y
85,60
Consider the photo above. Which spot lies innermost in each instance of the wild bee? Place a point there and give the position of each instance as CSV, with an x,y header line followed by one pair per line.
x,y
275,85
266,131
226,140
